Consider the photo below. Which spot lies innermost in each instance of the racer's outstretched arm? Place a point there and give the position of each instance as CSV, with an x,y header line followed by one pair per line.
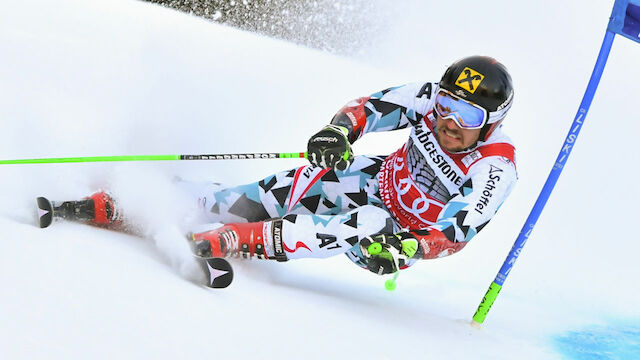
x,y
491,182
459,221
389,109
386,110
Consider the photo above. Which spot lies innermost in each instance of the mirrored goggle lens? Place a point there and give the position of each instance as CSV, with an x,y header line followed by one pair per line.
x,y
466,115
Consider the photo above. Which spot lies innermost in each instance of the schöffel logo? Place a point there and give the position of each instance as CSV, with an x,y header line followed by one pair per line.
x,y
469,79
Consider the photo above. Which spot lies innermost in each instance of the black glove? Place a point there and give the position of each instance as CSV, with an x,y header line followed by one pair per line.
x,y
330,148
386,253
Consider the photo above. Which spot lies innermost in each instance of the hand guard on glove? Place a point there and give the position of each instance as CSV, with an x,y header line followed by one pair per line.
x,y
330,148
386,253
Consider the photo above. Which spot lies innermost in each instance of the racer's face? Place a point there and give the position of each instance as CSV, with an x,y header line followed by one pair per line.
x,y
454,138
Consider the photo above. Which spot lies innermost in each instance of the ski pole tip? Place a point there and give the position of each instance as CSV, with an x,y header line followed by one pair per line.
x,y
390,285
476,325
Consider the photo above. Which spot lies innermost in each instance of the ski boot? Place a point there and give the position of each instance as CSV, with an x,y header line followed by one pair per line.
x,y
236,239
98,209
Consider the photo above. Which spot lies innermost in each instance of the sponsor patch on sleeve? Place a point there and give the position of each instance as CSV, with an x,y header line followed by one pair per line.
x,y
471,158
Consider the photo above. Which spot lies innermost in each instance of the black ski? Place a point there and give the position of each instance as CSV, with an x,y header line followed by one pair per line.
x,y
218,272
45,212
82,210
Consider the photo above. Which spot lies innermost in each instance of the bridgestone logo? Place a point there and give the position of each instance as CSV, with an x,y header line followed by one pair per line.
x,y
429,144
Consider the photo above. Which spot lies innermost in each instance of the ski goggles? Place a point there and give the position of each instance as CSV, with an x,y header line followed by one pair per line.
x,y
466,115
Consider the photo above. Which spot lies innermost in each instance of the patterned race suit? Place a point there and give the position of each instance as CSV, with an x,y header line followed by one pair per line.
x,y
443,199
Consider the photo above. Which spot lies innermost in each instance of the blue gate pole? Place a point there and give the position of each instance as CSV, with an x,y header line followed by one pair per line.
x,y
570,140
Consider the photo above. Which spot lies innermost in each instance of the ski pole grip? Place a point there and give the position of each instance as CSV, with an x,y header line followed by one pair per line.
x,y
375,248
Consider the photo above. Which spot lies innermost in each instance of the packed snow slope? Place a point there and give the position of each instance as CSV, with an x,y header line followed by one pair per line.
x,y
121,77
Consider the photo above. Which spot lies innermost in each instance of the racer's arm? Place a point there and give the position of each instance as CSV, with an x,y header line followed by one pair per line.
x,y
460,220
491,182
389,109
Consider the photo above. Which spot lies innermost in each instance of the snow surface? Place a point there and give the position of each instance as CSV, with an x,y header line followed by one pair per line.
x,y
120,77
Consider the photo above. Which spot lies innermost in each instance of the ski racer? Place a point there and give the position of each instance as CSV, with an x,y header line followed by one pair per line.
x,y
426,200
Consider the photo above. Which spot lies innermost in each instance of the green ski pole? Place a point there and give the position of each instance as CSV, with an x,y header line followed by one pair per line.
x,y
244,156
